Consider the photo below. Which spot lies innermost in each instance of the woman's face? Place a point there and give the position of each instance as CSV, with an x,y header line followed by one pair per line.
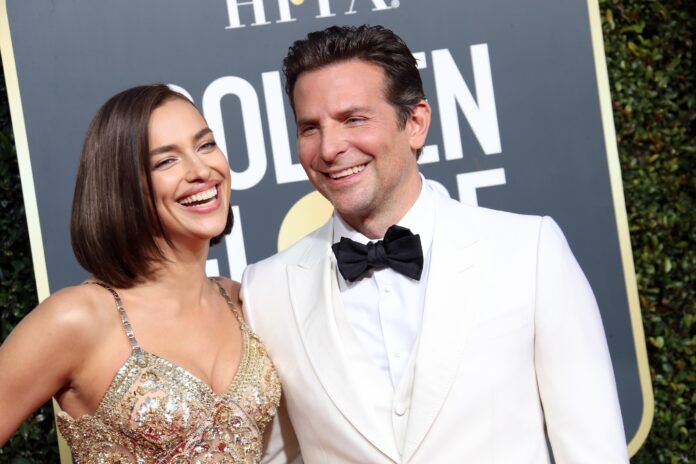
x,y
190,175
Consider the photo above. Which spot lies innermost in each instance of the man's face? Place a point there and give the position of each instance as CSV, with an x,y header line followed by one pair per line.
x,y
350,143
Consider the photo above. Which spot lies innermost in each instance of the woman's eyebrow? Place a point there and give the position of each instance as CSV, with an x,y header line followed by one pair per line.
x,y
165,148
202,132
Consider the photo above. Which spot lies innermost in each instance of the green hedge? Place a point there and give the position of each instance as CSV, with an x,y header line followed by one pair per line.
x,y
35,441
649,48
650,56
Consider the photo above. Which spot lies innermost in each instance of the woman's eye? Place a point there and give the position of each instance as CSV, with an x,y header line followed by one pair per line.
x,y
208,146
164,163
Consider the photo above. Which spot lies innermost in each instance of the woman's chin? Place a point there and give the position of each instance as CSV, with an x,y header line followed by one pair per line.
x,y
194,239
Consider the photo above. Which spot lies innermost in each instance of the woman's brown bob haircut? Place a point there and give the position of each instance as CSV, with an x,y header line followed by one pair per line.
x,y
114,224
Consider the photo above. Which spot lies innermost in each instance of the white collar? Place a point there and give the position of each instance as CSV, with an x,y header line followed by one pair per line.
x,y
420,219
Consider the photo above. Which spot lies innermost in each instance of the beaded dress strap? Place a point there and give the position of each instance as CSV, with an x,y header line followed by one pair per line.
x,y
233,306
135,347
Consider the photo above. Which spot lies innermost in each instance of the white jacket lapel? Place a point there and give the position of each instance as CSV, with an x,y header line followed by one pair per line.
x,y
311,281
452,291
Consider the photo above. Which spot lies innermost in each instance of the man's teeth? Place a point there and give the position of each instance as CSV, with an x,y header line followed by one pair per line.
x,y
347,172
200,196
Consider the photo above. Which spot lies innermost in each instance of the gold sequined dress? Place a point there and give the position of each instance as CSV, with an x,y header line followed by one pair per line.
x,y
157,412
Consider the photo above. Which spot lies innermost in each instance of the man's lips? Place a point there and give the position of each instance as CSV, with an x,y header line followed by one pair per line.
x,y
346,172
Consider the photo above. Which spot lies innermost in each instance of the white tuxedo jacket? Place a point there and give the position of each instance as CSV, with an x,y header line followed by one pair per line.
x,y
511,342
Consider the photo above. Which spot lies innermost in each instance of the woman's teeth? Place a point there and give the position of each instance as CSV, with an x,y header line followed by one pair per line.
x,y
200,197
348,172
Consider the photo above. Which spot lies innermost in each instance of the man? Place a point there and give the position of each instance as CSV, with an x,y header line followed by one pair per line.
x,y
457,345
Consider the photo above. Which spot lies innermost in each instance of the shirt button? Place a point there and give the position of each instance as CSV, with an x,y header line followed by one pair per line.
x,y
400,409
387,289
398,354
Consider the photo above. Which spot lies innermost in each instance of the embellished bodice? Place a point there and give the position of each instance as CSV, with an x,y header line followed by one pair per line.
x,y
155,411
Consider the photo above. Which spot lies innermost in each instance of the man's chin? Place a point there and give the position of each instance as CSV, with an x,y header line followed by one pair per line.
x,y
351,212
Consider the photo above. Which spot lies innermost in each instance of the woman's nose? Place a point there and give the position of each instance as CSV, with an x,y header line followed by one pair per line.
x,y
196,168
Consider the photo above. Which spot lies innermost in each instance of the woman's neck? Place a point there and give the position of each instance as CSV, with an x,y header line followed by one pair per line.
x,y
180,278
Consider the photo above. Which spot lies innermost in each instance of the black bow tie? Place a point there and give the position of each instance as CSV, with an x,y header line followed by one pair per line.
x,y
399,250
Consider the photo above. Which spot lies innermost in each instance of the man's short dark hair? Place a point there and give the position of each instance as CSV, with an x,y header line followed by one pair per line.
x,y
114,223
373,44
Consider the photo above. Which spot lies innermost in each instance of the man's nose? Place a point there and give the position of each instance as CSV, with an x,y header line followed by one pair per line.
x,y
333,143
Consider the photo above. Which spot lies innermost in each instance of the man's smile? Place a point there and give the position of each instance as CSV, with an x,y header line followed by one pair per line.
x,y
347,172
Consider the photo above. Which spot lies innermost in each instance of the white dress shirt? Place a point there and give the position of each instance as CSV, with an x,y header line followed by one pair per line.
x,y
385,308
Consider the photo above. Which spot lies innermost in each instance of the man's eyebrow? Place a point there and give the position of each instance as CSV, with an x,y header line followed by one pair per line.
x,y
303,121
165,148
344,113
353,109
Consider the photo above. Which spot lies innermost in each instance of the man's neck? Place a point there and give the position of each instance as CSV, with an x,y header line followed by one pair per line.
x,y
375,228
375,225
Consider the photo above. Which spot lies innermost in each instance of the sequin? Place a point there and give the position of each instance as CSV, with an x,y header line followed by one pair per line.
x,y
157,412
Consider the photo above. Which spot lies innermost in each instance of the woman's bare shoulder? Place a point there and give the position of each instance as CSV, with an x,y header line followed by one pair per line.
x,y
70,322
76,311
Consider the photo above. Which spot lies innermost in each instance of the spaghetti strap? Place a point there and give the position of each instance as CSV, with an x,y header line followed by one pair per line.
x,y
135,347
232,305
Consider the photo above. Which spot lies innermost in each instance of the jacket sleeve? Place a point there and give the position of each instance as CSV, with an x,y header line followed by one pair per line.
x,y
280,445
573,366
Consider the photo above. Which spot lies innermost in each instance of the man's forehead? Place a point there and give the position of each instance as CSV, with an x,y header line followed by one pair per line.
x,y
352,80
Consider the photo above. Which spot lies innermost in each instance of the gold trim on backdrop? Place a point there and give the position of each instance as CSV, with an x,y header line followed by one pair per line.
x,y
25,172
26,176
622,227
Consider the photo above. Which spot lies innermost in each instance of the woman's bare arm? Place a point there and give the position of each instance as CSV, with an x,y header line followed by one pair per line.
x,y
41,355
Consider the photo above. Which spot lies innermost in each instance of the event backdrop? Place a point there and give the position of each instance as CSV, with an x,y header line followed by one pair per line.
x,y
521,121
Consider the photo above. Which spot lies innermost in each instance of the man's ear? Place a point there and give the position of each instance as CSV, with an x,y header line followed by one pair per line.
x,y
418,123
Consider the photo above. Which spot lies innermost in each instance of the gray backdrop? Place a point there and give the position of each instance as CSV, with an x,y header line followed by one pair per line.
x,y
525,66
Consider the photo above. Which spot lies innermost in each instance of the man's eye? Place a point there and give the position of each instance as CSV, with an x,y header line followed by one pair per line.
x,y
354,120
306,130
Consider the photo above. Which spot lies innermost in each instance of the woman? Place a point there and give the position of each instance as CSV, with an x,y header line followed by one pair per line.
x,y
149,359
